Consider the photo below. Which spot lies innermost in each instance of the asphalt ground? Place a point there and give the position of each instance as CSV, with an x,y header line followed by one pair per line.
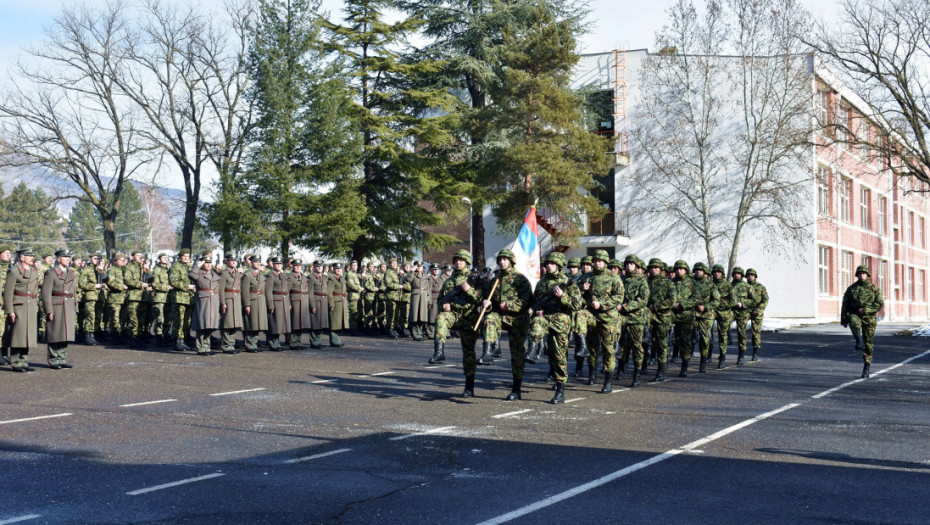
x,y
371,434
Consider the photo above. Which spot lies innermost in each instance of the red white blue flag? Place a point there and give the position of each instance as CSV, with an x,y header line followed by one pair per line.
x,y
526,248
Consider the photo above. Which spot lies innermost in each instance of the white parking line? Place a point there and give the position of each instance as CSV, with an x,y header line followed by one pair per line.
x,y
174,484
514,413
237,392
149,403
427,433
18,519
318,456
34,419
523,511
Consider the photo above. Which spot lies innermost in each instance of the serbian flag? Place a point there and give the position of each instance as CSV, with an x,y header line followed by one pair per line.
x,y
526,248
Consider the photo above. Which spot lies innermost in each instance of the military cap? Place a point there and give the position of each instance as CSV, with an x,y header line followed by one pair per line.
x,y
185,251
230,256
77,257
276,260
417,263
6,248
119,255
631,258
557,258
160,255
255,258
508,255
602,255
700,266
337,266
318,263
136,252
615,264
446,267
718,268
206,257
462,254
655,262
752,271
574,262
294,262
89,255
587,260
63,253
681,264
863,269
738,269
47,254
393,259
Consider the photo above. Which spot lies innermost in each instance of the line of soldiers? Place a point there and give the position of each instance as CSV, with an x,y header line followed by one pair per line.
x,y
611,310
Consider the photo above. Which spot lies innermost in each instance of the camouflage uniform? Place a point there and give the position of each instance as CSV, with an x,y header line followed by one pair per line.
x,y
160,288
514,291
757,312
391,286
403,307
370,290
354,291
861,302
606,289
723,313
661,300
462,315
135,317
115,299
684,316
635,318
180,300
706,296
742,301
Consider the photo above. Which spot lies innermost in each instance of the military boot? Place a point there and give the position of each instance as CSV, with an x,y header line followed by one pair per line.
x,y
702,368
860,345
89,340
660,373
684,368
755,354
866,368
496,350
579,366
636,374
559,396
722,362
486,356
181,346
551,375
620,371
739,357
439,354
469,387
514,394
581,346
645,368
592,375
608,384
531,352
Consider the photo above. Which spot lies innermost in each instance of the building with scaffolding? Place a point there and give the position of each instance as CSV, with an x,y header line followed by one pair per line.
x,y
859,213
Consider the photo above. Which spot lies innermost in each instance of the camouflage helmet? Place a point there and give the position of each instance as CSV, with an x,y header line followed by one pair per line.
x,y
681,263
615,263
587,260
751,271
602,255
738,269
700,266
718,268
655,262
462,254
556,258
574,262
507,254
631,258
863,269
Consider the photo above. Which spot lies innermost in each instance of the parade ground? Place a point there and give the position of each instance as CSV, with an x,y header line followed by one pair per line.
x,y
371,433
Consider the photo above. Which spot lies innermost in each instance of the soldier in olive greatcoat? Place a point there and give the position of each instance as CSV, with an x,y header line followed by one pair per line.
x,y
420,294
300,304
21,306
319,305
58,290
337,296
255,309
278,303
205,319
230,303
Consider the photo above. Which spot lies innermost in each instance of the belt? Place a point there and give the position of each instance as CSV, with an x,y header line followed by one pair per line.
x,y
206,290
416,289
320,294
60,294
20,294
279,293
232,291
339,294
258,293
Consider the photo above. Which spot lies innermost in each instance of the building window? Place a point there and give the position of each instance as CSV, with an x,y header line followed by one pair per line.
x,y
823,273
909,228
842,121
882,205
823,190
846,268
863,139
922,285
867,262
865,208
921,236
909,284
845,192
882,278
823,105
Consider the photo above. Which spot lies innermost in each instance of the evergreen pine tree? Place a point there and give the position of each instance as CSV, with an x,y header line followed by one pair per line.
x,y
84,232
33,219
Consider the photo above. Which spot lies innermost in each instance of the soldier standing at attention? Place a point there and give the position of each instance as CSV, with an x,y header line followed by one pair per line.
x,y
458,300
116,298
301,306
635,314
159,287
435,279
58,287
134,280
230,303
6,254
391,285
205,318
419,314
684,315
77,264
44,264
369,296
278,304
756,311
338,307
604,293
255,307
723,314
705,298
508,309
742,301
354,291
661,301
179,297
21,305
319,305
403,307
861,302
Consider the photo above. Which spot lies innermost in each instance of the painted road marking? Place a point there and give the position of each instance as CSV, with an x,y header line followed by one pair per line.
x,y
567,401
427,433
18,519
34,419
318,456
174,484
514,413
321,381
149,403
382,374
237,392
690,447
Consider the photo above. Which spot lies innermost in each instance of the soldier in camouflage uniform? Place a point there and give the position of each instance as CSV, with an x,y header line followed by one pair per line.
x,y
116,298
757,310
179,297
159,288
6,254
403,307
582,323
89,282
555,300
133,278
392,286
507,308
635,312
684,315
369,294
354,291
705,298
742,301
459,299
861,303
661,301
603,293
723,314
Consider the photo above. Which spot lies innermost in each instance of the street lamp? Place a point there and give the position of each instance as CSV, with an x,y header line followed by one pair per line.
x,y
467,201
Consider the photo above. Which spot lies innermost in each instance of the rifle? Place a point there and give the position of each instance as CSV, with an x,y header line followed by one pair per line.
x,y
548,297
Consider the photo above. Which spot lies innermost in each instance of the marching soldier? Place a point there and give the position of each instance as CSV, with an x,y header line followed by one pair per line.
x,y
684,315
278,304
230,288
661,301
582,322
603,292
705,299
205,318
420,295
742,302
179,297
159,289
508,308
115,298
255,307
58,290
21,305
458,301
861,303
338,307
319,306
301,306
723,314
635,317
757,311
354,294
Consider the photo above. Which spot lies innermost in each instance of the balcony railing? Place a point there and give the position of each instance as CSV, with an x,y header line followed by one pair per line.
x,y
612,223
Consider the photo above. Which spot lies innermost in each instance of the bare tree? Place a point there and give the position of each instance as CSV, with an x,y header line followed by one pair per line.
x,y
882,49
160,220
64,113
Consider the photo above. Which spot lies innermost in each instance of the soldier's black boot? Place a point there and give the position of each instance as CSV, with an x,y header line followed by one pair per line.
x,y
392,333
469,387
860,345
645,368
636,373
581,346
531,352
722,361
439,354
608,384
514,394
684,368
660,373
90,340
496,349
486,355
702,369
739,357
755,354
579,366
181,346
620,371
592,375
559,396
866,367
551,375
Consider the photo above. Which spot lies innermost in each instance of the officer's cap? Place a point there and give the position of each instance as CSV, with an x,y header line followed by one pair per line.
x,y
462,254
205,257
276,260
294,262
255,258
752,271
230,256
681,264
863,269
318,263
446,267
337,266
63,253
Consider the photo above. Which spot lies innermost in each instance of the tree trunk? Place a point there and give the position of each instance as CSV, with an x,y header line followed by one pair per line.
x,y
477,237
109,234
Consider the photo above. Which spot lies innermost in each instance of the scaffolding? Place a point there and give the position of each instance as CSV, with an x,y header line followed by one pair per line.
x,y
622,147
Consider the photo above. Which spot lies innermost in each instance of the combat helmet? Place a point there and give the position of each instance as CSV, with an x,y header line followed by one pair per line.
x,y
556,257
738,269
631,258
602,255
863,269
655,262
462,254
681,263
615,263
587,260
718,268
700,266
508,255
574,262
751,271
